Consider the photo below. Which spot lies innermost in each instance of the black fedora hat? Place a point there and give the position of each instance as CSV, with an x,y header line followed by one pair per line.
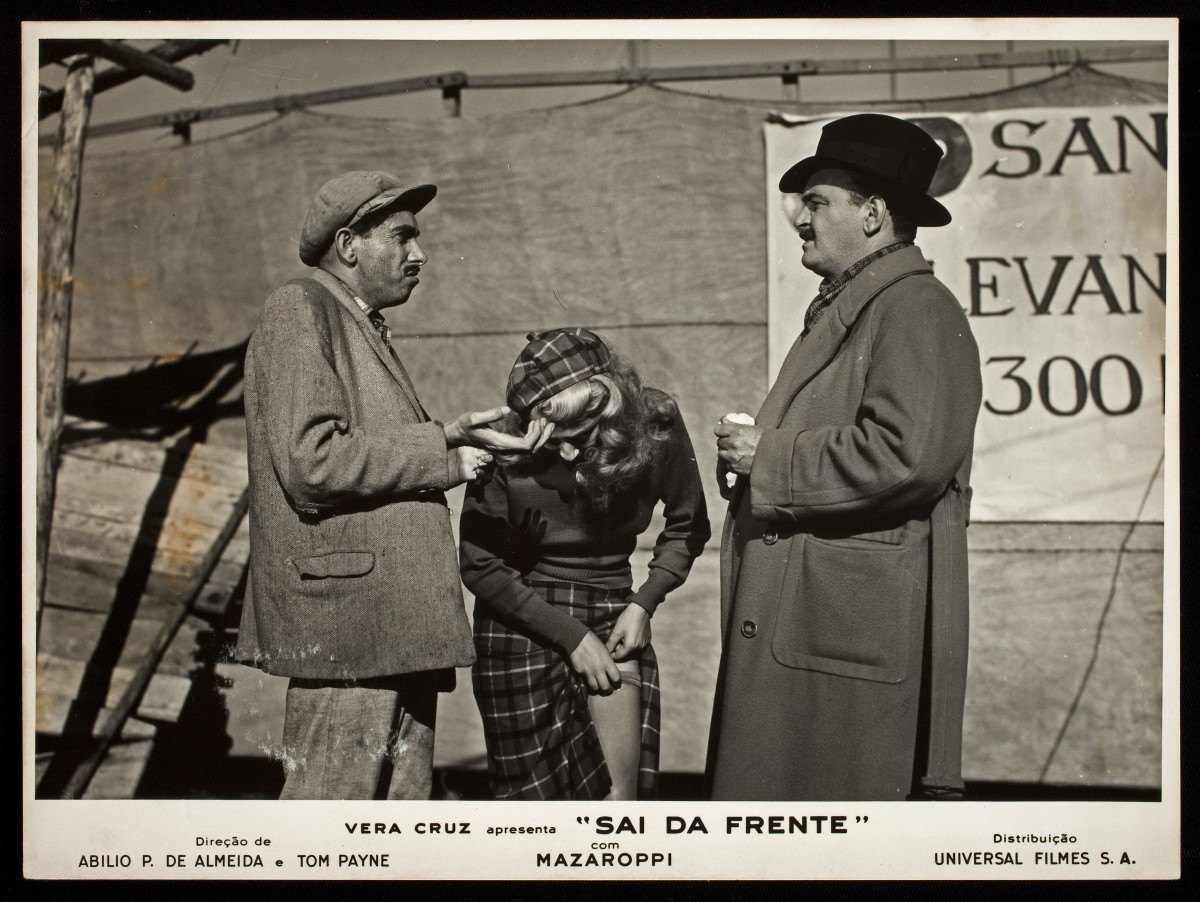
x,y
899,155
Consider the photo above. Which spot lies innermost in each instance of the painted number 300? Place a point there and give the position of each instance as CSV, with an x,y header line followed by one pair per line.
x,y
1073,386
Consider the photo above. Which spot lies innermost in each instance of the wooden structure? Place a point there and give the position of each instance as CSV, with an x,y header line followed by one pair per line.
x,y
55,282
453,83
150,543
132,529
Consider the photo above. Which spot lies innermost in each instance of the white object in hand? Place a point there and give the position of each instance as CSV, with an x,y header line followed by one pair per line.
x,y
743,419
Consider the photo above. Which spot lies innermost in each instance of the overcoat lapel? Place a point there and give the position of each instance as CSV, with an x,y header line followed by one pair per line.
x,y
806,359
386,355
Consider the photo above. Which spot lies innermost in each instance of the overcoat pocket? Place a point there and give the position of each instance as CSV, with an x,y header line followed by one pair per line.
x,y
334,563
846,608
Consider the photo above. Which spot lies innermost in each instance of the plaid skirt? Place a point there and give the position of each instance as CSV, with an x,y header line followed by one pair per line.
x,y
541,741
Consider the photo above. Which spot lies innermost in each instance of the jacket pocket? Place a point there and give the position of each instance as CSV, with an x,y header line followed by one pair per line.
x,y
846,539
845,609
334,563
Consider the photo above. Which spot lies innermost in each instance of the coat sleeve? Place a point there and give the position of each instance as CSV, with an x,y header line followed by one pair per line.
x,y
485,546
322,457
913,427
687,529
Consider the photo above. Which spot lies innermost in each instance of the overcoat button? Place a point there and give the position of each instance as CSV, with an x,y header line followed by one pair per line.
x,y
770,538
749,629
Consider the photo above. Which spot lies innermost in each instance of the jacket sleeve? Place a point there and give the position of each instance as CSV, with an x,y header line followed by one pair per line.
x,y
324,458
914,425
485,543
687,528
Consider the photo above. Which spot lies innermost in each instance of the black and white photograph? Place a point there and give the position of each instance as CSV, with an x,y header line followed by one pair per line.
x,y
738,435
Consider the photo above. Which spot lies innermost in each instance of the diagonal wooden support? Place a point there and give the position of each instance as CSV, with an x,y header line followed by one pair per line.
x,y
110,728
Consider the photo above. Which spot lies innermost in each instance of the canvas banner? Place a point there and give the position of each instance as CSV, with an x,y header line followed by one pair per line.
x,y
1057,253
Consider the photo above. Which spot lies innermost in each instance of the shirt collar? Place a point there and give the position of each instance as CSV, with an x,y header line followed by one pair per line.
x,y
376,318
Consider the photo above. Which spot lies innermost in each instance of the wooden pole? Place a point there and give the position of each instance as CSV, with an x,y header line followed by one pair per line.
x,y
55,289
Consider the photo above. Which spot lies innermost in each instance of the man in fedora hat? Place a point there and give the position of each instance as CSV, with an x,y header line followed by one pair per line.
x,y
354,587
843,561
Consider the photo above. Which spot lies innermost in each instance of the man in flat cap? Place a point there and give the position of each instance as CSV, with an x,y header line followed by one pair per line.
x,y
354,586
843,562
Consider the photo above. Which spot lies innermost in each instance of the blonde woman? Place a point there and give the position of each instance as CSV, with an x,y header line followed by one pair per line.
x,y
566,678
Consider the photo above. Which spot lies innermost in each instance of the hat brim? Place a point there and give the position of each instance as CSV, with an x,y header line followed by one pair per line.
x,y
412,199
925,210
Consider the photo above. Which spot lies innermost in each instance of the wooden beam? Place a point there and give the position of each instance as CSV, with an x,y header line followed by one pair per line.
x,y
873,66
281,104
146,64
168,51
139,61
55,291
1146,52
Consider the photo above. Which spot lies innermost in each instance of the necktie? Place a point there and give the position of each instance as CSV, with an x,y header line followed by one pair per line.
x,y
380,325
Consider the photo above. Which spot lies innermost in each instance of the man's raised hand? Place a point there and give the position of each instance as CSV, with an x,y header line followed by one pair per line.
x,y
475,429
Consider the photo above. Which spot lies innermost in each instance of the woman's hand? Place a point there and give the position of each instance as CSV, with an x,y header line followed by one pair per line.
x,y
591,660
631,632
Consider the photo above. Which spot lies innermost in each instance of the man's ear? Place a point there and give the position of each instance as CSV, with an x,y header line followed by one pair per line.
x,y
343,244
874,213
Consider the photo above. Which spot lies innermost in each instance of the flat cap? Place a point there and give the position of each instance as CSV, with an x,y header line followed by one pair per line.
x,y
552,361
347,198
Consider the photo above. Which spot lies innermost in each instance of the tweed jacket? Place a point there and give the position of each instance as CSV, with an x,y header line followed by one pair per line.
x,y
353,571
845,546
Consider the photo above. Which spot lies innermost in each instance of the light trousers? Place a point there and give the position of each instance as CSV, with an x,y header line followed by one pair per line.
x,y
364,739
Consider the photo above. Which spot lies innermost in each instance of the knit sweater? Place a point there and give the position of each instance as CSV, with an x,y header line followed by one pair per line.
x,y
529,519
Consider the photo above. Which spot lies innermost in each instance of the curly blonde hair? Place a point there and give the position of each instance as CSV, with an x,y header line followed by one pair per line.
x,y
615,422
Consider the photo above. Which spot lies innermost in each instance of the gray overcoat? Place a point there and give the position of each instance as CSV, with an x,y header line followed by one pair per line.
x,y
353,571
843,560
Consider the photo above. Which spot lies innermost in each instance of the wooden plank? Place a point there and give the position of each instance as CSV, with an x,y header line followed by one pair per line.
x,y
104,541
72,636
52,714
78,583
177,534
55,291
58,678
118,777
208,463
121,493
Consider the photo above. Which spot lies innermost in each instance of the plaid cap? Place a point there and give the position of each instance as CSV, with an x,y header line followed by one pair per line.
x,y
552,361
